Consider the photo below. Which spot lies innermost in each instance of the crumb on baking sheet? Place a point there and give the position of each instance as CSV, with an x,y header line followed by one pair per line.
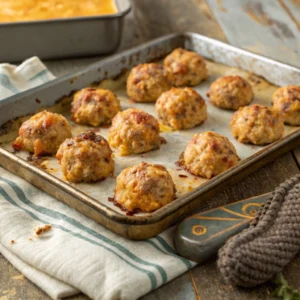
x,y
182,176
162,140
39,230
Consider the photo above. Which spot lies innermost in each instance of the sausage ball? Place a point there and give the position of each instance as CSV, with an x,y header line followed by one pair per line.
x,y
181,108
134,131
230,92
208,154
185,68
94,107
43,133
144,187
286,101
146,82
86,157
257,124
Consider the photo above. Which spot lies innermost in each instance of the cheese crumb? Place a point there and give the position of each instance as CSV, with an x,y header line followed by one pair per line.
x,y
39,230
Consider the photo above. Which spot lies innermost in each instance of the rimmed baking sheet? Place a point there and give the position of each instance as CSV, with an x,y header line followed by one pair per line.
x,y
218,120
92,199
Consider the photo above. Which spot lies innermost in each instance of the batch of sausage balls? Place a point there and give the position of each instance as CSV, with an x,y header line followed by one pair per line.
x,y
145,187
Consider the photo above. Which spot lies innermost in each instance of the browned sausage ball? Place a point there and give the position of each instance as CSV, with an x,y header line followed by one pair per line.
x,y
144,187
286,100
181,108
94,107
208,154
146,82
86,158
185,68
43,133
134,131
230,92
257,124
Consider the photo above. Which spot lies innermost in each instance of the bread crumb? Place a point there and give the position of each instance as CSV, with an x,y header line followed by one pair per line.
x,y
39,230
12,241
18,277
30,239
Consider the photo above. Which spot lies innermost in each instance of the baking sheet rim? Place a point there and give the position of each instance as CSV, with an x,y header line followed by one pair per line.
x,y
181,201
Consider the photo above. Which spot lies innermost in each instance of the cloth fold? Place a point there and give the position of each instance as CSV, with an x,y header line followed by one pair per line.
x,y
51,286
77,254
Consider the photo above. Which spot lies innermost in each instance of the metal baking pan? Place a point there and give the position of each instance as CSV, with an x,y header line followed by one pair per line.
x,y
142,226
64,37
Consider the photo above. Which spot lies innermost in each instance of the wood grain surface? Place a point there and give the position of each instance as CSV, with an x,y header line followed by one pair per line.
x,y
268,27
265,27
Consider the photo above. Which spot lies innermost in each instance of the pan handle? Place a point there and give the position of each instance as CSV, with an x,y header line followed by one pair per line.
x,y
200,236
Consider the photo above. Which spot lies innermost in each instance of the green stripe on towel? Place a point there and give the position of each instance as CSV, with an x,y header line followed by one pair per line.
x,y
185,261
58,215
6,83
43,75
170,250
149,273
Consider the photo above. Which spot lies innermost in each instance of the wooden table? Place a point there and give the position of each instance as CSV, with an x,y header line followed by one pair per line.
x,y
269,27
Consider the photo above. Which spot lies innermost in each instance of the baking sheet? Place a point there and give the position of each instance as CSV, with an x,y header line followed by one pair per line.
x,y
168,154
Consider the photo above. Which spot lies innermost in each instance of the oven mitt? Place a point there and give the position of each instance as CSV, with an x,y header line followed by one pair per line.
x,y
270,242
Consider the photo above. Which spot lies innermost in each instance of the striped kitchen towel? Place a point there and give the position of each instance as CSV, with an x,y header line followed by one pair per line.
x,y
77,254
14,79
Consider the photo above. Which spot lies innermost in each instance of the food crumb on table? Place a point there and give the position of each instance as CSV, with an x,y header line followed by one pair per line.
x,y
12,241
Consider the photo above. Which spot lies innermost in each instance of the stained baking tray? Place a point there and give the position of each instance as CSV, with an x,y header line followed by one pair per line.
x,y
63,37
143,226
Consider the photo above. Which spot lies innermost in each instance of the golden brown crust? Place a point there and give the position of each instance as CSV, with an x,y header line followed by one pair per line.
x,y
208,154
43,133
230,92
39,230
181,108
144,187
33,10
286,100
86,157
94,107
134,131
185,68
257,124
146,82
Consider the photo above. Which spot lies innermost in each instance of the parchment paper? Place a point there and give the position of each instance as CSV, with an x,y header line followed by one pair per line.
x,y
168,154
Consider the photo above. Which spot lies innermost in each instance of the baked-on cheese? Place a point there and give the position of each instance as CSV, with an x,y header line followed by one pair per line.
x,y
31,10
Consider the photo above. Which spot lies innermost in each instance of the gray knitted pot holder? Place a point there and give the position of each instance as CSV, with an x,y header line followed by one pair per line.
x,y
259,252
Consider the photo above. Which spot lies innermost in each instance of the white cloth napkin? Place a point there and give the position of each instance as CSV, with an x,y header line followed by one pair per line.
x,y
77,254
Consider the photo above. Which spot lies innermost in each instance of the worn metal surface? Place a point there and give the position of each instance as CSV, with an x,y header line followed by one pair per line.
x,y
148,225
60,38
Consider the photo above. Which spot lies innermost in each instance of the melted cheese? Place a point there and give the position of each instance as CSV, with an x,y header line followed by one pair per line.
x,y
29,10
